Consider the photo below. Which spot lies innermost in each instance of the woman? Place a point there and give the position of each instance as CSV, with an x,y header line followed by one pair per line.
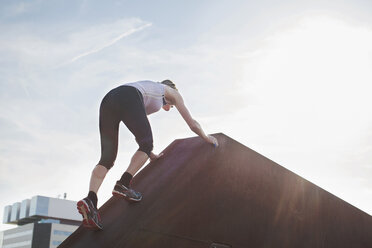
x,y
131,103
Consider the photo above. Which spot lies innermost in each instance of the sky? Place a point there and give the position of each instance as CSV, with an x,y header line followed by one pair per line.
x,y
289,79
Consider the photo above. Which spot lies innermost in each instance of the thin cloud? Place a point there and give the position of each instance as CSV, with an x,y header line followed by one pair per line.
x,y
20,8
123,35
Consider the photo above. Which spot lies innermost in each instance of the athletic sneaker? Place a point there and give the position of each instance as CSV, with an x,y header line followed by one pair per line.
x,y
127,193
92,219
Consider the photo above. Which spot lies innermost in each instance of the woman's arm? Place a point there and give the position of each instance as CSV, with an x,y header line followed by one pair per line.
x,y
178,102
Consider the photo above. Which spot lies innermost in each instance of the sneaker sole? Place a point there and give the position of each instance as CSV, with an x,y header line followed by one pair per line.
x,y
83,209
117,193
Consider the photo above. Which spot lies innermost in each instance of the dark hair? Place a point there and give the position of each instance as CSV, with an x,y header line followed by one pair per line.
x,y
169,83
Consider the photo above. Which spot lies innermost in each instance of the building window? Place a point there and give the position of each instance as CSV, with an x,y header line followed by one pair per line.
x,y
19,244
56,242
57,232
49,221
16,235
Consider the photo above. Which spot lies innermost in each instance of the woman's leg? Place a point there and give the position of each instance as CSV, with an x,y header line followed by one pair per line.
x,y
138,124
109,128
96,179
109,131
138,160
135,118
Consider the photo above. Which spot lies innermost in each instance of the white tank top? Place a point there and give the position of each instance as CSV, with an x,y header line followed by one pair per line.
x,y
153,94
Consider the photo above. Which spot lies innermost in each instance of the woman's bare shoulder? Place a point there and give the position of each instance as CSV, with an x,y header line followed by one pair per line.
x,y
172,94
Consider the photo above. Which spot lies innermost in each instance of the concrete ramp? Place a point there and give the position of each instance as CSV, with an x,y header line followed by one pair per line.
x,y
198,196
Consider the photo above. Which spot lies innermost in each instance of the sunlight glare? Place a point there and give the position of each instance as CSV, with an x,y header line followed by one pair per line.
x,y
319,69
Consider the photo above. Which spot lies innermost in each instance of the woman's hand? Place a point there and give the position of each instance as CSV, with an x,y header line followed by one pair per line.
x,y
154,157
212,140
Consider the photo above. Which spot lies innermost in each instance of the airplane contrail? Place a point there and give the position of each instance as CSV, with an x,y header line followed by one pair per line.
x,y
123,35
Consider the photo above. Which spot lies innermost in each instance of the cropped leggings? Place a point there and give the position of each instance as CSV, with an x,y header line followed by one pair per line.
x,y
124,103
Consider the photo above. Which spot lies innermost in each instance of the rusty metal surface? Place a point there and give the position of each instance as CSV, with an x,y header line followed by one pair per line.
x,y
197,195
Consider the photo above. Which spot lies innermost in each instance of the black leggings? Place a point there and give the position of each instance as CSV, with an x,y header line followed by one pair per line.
x,y
124,103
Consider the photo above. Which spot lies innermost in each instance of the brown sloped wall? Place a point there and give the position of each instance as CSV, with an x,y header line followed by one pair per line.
x,y
197,195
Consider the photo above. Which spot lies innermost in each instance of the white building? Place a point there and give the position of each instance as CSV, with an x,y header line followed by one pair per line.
x,y
43,222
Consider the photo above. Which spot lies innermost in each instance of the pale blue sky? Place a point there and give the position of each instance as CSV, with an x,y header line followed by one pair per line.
x,y
289,79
